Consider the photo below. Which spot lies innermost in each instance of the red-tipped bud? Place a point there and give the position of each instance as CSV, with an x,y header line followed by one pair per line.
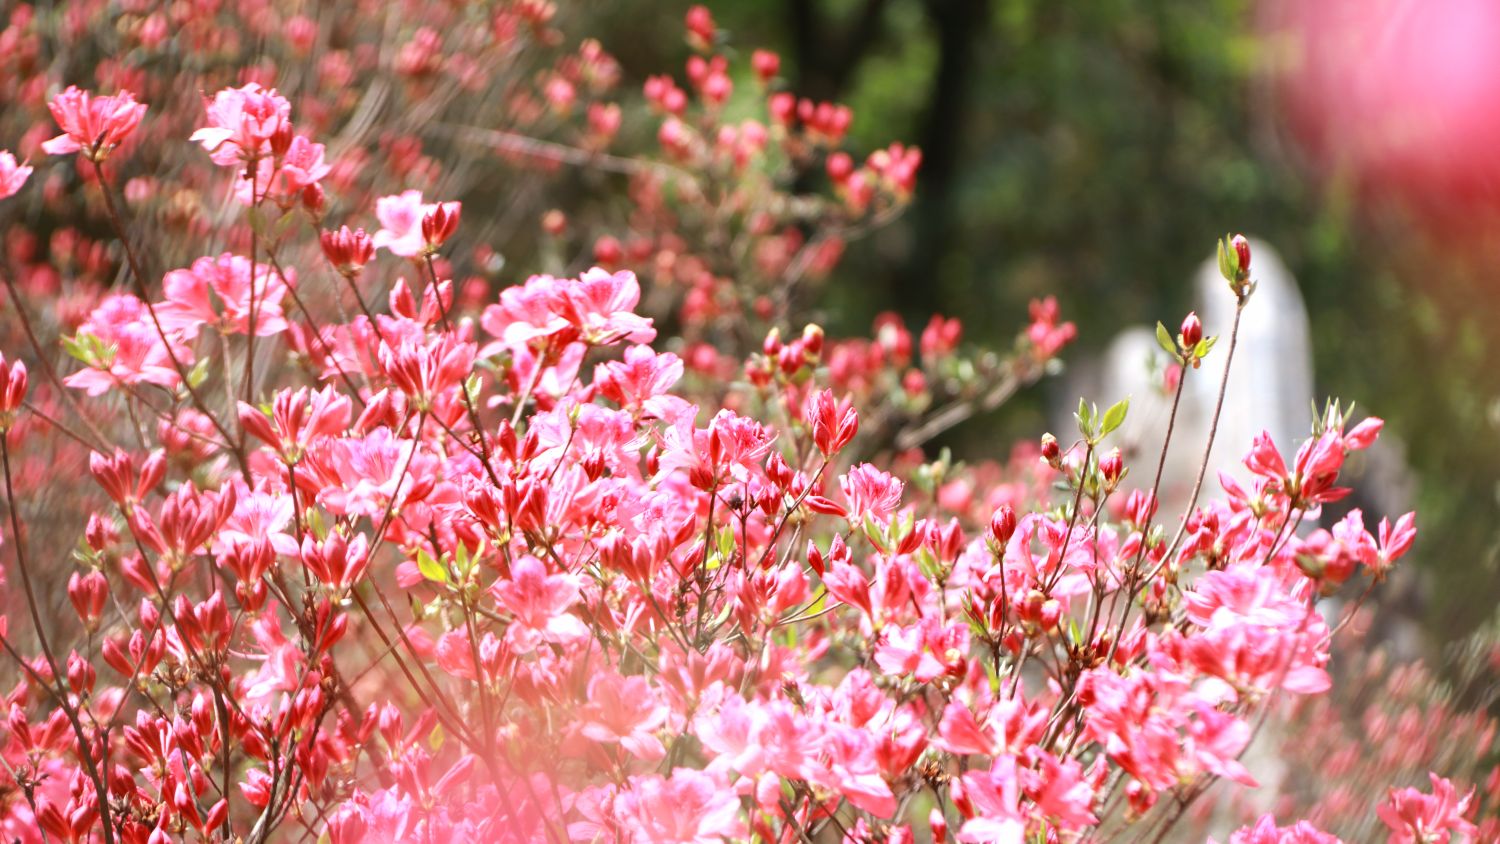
x,y
1191,332
440,223
938,825
1051,452
314,200
840,167
87,593
347,250
80,674
701,28
608,252
554,223
1242,252
766,65
1234,260
812,341
1112,466
1003,524
12,390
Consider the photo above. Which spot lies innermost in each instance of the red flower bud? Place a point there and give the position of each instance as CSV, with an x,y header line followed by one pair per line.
x,y
1003,524
1050,451
608,252
440,223
554,222
1242,253
87,593
347,250
766,65
12,390
1192,331
1112,466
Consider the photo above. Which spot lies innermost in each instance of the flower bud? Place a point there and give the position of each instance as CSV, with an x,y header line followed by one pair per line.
x,y
1050,451
554,223
314,200
766,65
1050,614
1234,260
1191,332
440,223
347,250
812,341
939,826
1112,466
87,593
12,390
80,674
608,252
1003,524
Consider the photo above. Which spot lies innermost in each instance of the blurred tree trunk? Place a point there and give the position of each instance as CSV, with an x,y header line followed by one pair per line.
x,y
828,55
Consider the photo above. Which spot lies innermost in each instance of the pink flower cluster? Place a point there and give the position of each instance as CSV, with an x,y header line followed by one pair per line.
x,y
370,555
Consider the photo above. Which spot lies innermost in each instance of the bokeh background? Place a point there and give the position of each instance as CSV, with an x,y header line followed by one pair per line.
x,y
1095,151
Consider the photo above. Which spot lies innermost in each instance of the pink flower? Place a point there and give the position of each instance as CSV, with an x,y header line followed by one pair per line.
x,y
690,806
1266,831
990,803
401,217
92,125
833,423
525,313
926,651
241,124
335,562
218,292
1417,818
133,351
871,493
623,710
540,603
1060,792
641,380
12,175
602,306
282,662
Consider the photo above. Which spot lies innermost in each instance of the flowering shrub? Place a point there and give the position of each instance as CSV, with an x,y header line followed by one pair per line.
x,y
389,560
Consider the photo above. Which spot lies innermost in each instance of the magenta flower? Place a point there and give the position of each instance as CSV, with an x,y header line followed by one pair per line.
x,y
92,125
218,292
241,124
12,175
132,349
1417,818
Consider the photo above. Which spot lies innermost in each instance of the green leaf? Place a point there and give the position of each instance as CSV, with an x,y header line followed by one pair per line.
x,y
75,348
1164,339
1085,420
1115,416
435,738
198,374
430,568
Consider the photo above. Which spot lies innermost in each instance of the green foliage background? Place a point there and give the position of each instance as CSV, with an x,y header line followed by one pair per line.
x,y
1094,151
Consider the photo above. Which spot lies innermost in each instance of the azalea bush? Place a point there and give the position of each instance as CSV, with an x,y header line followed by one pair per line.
x,y
325,522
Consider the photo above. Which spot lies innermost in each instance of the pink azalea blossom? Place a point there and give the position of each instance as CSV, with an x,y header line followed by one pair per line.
x,y
241,123
401,217
218,292
1436,818
91,124
136,353
12,175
